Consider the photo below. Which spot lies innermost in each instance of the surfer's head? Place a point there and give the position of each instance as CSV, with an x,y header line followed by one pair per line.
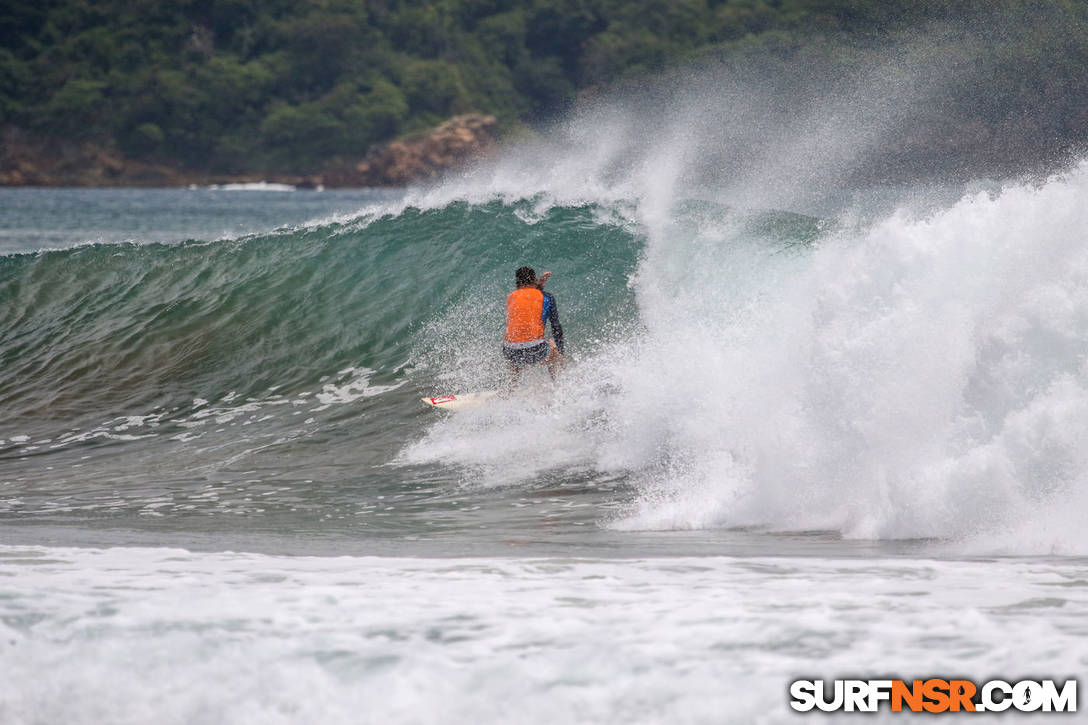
x,y
525,277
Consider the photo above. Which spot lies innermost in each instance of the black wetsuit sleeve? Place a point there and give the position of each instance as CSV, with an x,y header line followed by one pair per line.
x,y
553,318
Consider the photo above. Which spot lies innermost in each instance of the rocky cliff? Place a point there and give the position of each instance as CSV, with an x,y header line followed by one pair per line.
x,y
26,160
455,143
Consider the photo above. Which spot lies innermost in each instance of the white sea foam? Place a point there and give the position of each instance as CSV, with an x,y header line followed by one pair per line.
x,y
267,639
923,378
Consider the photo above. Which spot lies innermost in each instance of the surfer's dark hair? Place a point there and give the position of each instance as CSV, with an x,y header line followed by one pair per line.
x,y
524,276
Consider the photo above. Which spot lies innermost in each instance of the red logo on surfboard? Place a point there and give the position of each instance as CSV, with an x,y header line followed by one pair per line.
x,y
443,399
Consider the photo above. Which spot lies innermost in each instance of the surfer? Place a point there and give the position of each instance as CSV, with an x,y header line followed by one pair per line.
x,y
528,309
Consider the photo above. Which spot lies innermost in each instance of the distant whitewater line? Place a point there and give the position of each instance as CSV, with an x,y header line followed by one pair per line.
x,y
253,186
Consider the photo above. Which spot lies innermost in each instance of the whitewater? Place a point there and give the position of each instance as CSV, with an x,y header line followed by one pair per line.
x,y
806,431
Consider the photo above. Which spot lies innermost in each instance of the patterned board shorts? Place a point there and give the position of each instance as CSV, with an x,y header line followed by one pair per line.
x,y
526,355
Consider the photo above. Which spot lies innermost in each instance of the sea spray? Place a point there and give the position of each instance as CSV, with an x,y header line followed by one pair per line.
x,y
921,378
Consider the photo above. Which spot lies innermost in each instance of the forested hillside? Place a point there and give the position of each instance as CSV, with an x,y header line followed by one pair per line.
x,y
240,85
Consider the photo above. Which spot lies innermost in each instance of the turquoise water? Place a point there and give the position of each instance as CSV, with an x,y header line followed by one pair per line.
x,y
36,219
274,375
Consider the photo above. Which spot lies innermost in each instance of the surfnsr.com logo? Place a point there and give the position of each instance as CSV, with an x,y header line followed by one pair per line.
x,y
933,695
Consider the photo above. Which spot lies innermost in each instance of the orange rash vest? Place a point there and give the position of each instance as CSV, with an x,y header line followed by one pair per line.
x,y
525,315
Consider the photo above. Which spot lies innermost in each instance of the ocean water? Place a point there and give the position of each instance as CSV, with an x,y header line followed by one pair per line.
x,y
837,436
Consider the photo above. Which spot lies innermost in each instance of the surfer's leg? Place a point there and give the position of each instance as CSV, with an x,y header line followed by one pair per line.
x,y
554,361
511,357
515,373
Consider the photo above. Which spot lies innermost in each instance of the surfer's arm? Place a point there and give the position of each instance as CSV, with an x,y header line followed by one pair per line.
x,y
553,319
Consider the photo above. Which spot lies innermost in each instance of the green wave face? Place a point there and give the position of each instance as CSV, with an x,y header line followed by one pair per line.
x,y
115,328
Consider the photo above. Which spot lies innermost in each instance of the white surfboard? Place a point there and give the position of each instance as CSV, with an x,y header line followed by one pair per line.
x,y
460,402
